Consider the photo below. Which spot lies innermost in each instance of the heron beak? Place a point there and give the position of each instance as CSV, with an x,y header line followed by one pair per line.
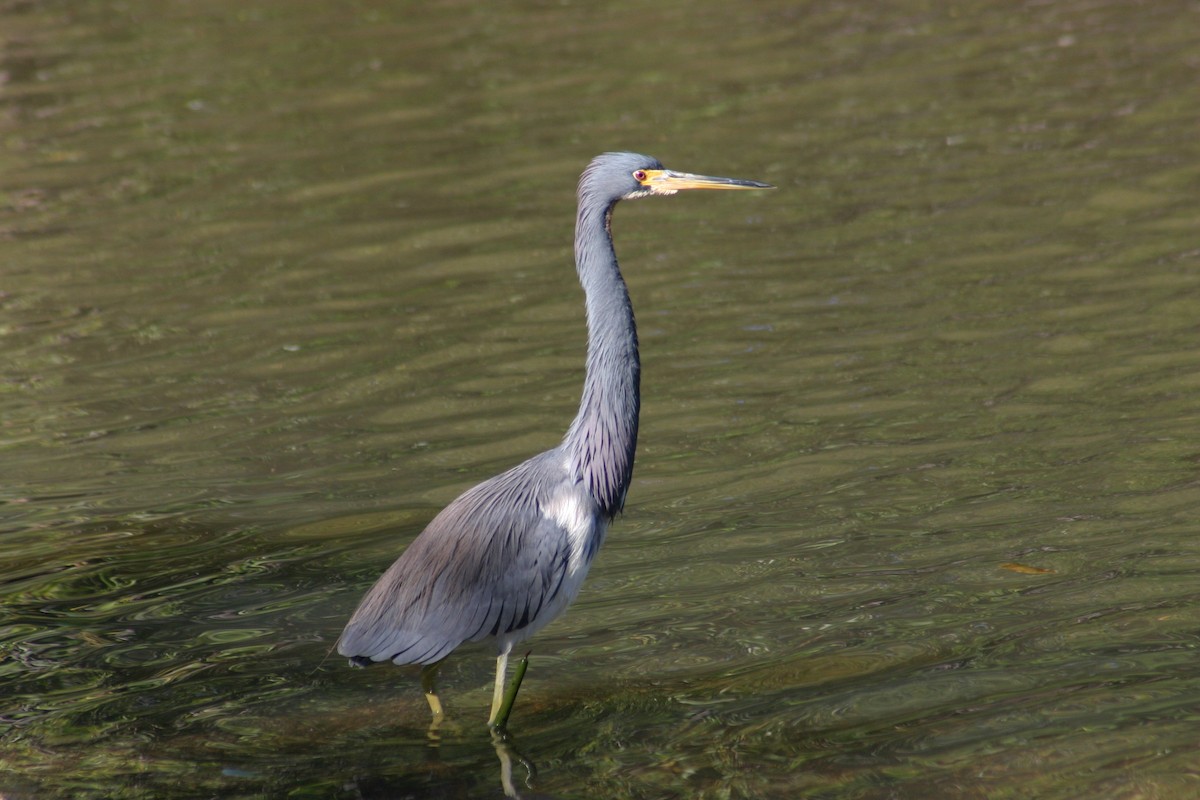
x,y
667,181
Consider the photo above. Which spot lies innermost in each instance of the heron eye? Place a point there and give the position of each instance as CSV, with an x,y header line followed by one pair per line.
x,y
639,175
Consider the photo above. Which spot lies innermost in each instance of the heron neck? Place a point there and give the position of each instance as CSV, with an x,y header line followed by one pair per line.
x,y
601,441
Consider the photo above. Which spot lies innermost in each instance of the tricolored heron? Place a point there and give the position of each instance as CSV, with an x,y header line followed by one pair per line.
x,y
507,556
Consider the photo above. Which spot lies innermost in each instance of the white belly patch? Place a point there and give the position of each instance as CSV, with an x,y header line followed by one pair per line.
x,y
575,514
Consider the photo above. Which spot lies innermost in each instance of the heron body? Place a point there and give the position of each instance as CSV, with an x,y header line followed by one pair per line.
x,y
507,556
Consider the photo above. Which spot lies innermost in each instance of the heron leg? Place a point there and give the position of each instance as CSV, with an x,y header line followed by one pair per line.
x,y
428,683
498,689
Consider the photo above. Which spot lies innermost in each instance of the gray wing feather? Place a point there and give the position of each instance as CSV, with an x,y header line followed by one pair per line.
x,y
485,566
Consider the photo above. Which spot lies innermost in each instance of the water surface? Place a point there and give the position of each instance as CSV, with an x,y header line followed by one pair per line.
x,y
915,500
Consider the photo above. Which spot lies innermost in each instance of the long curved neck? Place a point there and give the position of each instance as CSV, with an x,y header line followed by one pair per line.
x,y
600,443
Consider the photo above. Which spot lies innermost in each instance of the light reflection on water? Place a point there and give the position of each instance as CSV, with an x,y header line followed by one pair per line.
x,y
263,315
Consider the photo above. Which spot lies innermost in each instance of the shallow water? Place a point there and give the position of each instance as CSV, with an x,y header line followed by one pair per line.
x,y
916,491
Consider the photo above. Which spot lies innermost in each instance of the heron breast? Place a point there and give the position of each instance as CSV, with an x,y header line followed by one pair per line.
x,y
575,513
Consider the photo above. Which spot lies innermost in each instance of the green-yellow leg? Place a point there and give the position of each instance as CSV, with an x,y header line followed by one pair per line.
x,y
428,679
498,689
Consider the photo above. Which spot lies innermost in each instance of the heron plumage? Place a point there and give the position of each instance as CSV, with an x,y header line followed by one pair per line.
x,y
492,564
507,556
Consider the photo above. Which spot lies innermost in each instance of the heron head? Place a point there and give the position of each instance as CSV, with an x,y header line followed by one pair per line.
x,y
628,176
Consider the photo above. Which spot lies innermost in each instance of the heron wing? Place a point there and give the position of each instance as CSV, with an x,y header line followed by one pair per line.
x,y
490,564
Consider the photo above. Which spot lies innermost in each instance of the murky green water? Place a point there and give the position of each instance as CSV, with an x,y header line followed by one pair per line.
x,y
916,500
